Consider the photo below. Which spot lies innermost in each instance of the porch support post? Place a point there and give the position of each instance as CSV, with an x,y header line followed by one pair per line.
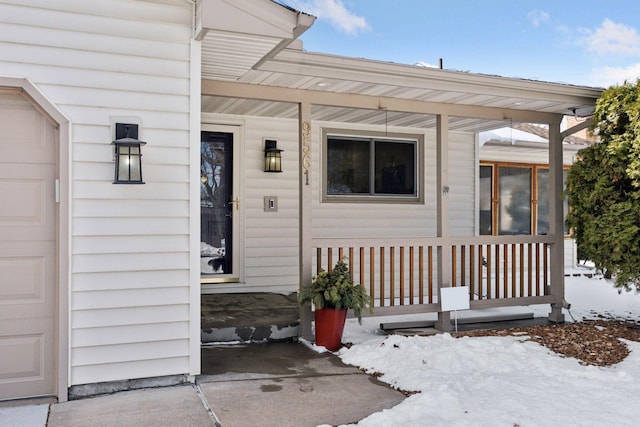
x,y
442,197
304,186
556,222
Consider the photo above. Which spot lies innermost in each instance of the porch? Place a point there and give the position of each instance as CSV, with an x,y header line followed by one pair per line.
x,y
403,251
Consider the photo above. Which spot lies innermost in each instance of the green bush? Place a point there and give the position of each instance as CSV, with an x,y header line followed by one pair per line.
x,y
336,290
604,188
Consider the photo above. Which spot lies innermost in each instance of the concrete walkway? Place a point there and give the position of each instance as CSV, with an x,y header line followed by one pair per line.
x,y
273,384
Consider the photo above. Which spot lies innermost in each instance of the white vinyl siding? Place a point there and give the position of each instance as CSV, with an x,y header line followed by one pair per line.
x,y
271,238
96,61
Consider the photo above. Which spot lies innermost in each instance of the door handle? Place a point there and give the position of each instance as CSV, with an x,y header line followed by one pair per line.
x,y
236,201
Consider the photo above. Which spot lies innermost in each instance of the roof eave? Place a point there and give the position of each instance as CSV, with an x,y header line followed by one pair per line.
x,y
380,72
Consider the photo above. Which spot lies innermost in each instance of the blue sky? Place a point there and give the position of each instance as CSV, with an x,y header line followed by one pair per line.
x,y
592,43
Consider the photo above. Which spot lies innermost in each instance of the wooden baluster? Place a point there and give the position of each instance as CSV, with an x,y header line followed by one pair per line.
x,y
546,267
472,270
521,269
513,271
430,266
505,271
329,260
318,260
411,276
382,277
351,264
463,265
496,285
362,267
372,272
392,276
454,262
538,269
480,265
401,275
530,269
421,274
488,271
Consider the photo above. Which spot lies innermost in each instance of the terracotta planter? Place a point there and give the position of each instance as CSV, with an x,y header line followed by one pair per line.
x,y
329,327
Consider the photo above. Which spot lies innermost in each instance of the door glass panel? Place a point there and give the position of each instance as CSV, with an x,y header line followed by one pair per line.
x,y
216,213
514,200
486,196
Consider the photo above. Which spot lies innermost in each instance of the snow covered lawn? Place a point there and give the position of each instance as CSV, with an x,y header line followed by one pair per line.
x,y
503,381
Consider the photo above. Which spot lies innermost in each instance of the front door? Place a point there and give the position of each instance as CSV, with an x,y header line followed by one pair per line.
x,y
218,208
27,250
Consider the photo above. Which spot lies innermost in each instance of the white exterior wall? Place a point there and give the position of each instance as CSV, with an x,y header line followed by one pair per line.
x,y
270,245
129,281
271,238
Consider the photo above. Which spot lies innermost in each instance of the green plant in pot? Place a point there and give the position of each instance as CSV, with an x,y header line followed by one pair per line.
x,y
333,294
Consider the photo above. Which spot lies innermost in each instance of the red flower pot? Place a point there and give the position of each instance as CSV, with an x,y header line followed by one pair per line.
x,y
329,327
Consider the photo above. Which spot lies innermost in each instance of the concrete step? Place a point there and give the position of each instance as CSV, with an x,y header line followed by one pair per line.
x,y
493,318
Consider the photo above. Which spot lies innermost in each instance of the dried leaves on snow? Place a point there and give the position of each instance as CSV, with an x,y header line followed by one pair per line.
x,y
593,342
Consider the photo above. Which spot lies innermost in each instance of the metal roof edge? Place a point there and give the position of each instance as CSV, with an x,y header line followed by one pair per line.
x,y
381,67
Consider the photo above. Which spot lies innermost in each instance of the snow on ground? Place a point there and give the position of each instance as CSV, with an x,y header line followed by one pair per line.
x,y
503,381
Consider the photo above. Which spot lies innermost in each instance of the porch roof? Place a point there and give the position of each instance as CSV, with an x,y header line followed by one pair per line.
x,y
388,93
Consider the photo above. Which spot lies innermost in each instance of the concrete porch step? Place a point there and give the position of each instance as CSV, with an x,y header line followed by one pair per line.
x,y
477,319
249,317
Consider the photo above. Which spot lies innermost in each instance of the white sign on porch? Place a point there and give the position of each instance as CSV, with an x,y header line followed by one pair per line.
x,y
454,299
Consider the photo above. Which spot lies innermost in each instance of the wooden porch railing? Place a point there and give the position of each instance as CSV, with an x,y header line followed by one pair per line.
x,y
401,273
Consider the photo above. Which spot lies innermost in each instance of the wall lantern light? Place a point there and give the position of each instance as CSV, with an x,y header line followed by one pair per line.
x,y
127,154
272,156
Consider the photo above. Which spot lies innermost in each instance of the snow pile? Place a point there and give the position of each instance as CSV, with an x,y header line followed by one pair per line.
x,y
504,381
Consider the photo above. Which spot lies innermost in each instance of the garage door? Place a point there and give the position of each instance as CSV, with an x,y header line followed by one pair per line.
x,y
27,250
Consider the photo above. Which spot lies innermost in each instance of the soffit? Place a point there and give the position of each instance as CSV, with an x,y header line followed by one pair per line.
x,y
301,70
238,34
229,56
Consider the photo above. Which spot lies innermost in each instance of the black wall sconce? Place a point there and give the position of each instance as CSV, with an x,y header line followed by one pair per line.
x,y
272,156
127,154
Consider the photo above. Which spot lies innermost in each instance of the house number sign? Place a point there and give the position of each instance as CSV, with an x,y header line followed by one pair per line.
x,y
306,150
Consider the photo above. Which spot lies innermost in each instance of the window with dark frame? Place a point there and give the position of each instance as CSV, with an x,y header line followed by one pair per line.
x,y
371,167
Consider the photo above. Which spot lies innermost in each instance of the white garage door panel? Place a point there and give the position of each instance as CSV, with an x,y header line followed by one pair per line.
x,y
26,134
29,208
14,363
27,195
27,250
24,280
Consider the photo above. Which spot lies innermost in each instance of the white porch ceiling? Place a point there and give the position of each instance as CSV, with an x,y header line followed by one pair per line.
x,y
261,61
228,57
